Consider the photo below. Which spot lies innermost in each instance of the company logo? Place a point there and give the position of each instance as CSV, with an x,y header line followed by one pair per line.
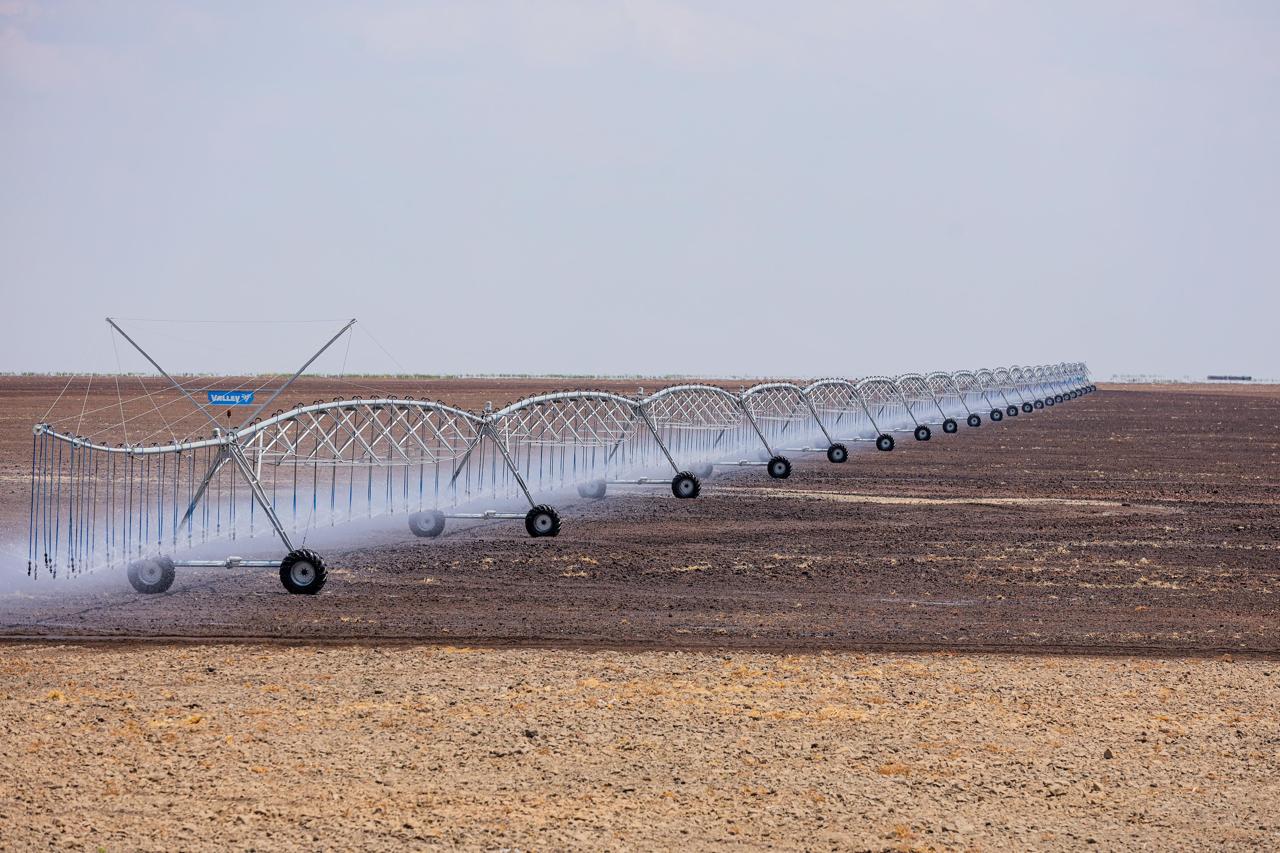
x,y
230,398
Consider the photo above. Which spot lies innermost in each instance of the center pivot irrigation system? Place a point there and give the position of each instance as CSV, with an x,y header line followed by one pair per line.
x,y
95,504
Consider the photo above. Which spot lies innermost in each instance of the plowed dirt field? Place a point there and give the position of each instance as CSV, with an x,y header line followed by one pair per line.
x,y
1054,631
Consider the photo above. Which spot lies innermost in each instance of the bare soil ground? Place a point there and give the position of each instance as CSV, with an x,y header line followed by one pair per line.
x,y
658,672
264,747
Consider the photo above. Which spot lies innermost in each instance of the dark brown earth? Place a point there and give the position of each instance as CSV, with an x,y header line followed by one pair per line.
x,y
1133,520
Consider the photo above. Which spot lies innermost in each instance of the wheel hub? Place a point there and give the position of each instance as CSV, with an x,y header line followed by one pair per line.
x,y
302,574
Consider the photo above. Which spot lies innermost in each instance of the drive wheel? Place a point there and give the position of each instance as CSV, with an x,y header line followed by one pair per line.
x,y
975,420
542,520
428,523
923,433
837,453
779,468
950,426
1027,407
1012,411
884,442
593,489
1039,404
1048,401
996,415
685,486
151,576
302,572
1057,398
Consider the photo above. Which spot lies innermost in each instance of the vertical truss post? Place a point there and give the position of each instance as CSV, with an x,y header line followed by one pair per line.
x,y
960,394
903,397
214,468
817,420
259,494
866,410
746,410
936,402
511,465
653,430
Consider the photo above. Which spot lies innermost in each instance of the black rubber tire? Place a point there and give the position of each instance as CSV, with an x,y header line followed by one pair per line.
x,y
975,420
997,415
1038,404
1012,411
1057,398
703,471
428,523
779,468
593,489
685,486
837,453
950,426
923,433
542,520
884,442
151,576
1048,401
1027,408
296,578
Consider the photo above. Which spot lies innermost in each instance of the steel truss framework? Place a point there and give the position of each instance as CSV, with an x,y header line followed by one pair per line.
x,y
329,463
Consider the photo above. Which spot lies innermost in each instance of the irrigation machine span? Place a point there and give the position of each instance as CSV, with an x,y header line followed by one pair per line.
x,y
95,504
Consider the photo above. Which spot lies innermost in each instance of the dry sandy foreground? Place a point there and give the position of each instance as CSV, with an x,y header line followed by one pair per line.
x,y
217,746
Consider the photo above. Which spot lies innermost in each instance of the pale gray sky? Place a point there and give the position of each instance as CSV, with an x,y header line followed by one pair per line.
x,y
646,187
